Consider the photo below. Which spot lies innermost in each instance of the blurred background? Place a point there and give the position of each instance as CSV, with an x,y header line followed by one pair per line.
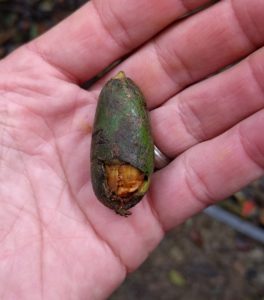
x,y
201,259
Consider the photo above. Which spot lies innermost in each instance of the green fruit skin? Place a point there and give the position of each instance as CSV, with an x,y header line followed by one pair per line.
x,y
121,132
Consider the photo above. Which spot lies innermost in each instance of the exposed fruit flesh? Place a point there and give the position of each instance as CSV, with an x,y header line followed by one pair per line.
x,y
123,179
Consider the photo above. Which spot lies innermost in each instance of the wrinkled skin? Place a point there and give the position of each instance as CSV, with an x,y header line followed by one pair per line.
x,y
57,240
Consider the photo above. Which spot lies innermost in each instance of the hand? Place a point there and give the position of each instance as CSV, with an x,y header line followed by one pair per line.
x,y
57,240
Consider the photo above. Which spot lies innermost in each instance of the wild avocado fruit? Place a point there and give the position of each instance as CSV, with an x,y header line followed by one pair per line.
x,y
122,150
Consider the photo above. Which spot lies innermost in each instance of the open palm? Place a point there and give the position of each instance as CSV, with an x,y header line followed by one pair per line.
x,y
56,240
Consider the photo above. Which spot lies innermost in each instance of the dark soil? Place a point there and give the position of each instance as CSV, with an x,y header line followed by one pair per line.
x,y
202,259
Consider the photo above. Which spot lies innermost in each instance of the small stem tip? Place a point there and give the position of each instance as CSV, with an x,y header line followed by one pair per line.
x,y
120,75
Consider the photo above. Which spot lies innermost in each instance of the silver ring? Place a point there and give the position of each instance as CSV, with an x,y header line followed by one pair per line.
x,y
160,159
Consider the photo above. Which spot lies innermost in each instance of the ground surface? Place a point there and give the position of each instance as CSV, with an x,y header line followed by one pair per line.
x,y
202,259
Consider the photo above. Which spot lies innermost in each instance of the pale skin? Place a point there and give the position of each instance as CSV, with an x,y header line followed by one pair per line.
x,y
56,240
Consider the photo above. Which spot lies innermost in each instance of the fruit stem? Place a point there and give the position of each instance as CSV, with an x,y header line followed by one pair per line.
x,y
120,75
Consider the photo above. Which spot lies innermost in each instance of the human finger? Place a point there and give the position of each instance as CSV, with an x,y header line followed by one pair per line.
x,y
209,171
210,107
103,31
195,48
